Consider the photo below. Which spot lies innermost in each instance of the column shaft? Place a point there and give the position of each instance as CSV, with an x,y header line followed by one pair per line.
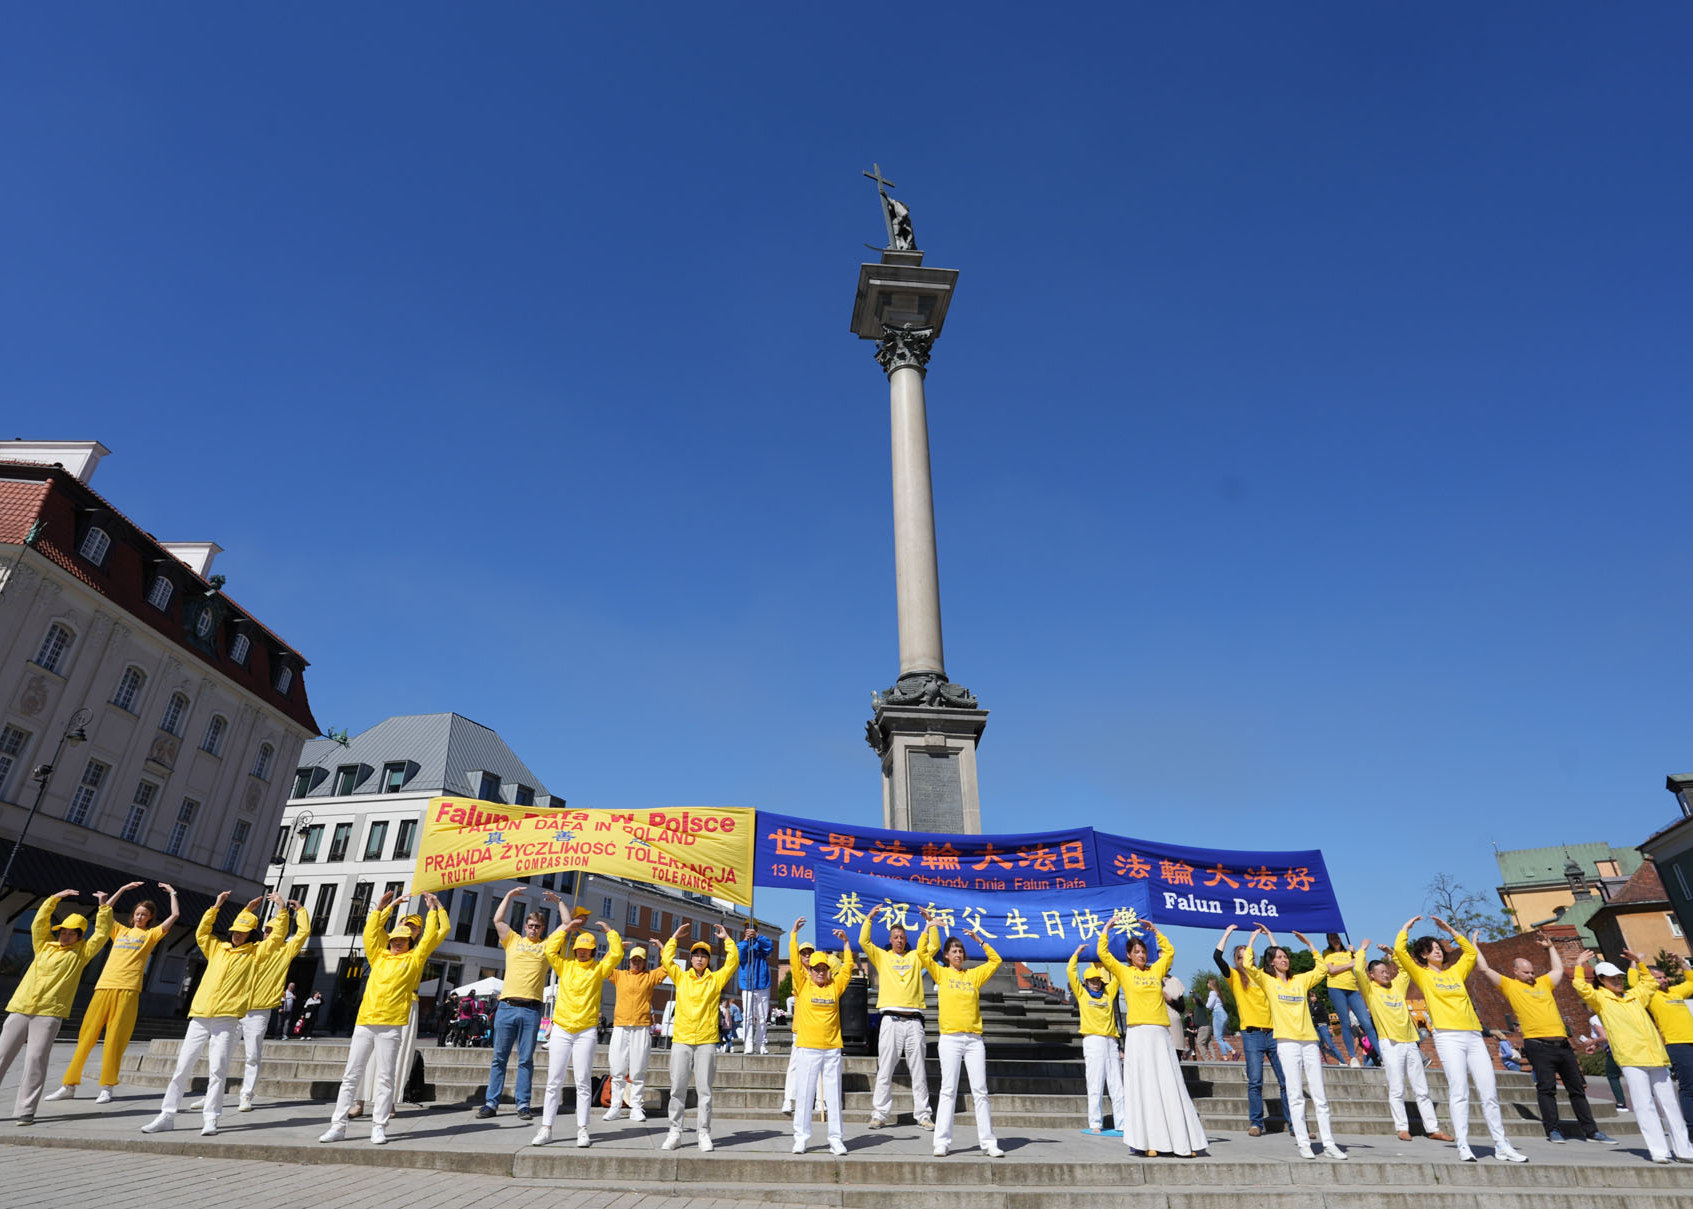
x,y
916,567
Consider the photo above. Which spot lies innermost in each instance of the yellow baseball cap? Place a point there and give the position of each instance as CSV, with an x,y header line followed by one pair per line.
x,y
638,951
585,942
76,923
412,921
1093,972
822,959
699,946
244,922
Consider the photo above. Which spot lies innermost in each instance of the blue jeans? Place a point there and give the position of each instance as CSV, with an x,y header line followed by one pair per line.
x,y
520,1025
1348,1004
1219,1026
1325,1040
1257,1045
1681,1062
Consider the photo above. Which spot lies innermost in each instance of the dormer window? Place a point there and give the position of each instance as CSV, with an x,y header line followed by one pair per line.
x,y
95,544
238,649
160,593
203,625
284,678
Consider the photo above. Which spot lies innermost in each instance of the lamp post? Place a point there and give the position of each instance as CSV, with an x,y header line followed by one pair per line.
x,y
302,822
74,733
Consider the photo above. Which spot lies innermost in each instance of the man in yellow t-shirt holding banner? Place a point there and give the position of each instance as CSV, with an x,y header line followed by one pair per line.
x,y
702,849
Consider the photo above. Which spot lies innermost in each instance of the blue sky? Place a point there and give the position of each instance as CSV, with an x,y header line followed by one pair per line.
x,y
1308,426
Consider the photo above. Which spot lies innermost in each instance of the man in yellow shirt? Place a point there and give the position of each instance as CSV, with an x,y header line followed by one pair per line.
x,y
1383,988
43,999
1639,1050
117,995
517,1021
693,1047
631,1033
1674,1021
1256,1036
1096,1003
267,992
817,1036
576,1017
1546,1040
900,1000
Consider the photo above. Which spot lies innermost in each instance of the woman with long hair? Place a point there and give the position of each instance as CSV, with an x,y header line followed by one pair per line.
x,y
1296,1040
959,992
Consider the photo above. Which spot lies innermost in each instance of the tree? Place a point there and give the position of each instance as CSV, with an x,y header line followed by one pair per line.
x,y
1465,909
1200,981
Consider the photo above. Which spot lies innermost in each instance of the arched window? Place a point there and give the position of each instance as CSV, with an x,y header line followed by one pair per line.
x,y
203,624
284,679
238,648
213,742
175,712
95,543
54,647
129,688
160,593
261,766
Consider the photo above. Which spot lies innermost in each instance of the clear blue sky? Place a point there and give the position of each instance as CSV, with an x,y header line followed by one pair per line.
x,y
1310,428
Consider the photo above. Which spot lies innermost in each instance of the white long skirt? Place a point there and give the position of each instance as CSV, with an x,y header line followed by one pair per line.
x,y
1159,1116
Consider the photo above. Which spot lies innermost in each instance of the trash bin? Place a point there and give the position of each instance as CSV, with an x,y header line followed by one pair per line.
x,y
855,1017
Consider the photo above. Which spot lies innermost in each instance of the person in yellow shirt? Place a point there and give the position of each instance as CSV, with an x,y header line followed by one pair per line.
x,y
1638,1048
790,1080
576,1018
1546,1039
1383,988
1096,1004
517,1021
693,1044
1159,1117
1347,998
1674,1021
1296,1039
1256,1037
43,997
958,991
267,993
390,994
817,1036
1457,1032
224,992
900,1000
117,994
631,1033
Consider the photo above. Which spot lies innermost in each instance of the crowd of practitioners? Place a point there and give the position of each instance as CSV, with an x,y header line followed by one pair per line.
x,y
1131,1051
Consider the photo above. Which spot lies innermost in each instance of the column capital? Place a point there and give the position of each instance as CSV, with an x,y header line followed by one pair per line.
x,y
904,347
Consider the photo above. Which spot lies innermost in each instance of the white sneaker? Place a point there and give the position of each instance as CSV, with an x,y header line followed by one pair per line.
x,y
1466,1155
1508,1153
836,1146
993,1152
209,1129
582,1139
246,1104
1330,1150
197,1105
637,1113
672,1140
940,1152
66,1092
105,1096
335,1133
542,1136
614,1113
787,1108
1354,1063
378,1136
1305,1148
877,1122
163,1123
705,1141
799,1147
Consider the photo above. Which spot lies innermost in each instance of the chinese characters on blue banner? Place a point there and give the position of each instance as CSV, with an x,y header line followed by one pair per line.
x,y
1211,888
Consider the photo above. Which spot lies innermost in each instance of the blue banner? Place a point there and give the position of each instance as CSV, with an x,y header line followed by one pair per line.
x,y
1215,887
1021,925
790,851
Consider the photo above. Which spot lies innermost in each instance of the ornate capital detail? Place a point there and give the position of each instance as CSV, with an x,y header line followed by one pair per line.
x,y
926,690
902,347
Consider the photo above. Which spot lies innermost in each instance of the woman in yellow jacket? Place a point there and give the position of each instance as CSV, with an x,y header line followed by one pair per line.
x,y
1457,1033
576,1017
1639,1051
1675,1022
959,993
1296,1039
631,1033
817,1036
43,999
390,989
1096,1003
693,1045
1383,988
1158,1114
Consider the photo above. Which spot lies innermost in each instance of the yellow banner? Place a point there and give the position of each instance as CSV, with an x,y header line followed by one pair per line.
x,y
706,850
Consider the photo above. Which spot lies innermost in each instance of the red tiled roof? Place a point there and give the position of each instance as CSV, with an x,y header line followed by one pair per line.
x,y
1644,887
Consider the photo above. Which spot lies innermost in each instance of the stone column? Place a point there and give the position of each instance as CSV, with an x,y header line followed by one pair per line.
x,y
903,354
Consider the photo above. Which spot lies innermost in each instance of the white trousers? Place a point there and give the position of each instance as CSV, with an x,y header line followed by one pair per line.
x,y
1404,1063
374,1045
819,1072
1464,1056
34,1036
900,1039
1104,1072
564,1051
212,1036
631,1047
755,1014
1651,1092
253,1027
1297,1056
967,1050
402,1062
790,1082
698,1062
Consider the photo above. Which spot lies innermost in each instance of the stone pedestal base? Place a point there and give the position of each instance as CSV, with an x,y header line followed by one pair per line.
x,y
928,757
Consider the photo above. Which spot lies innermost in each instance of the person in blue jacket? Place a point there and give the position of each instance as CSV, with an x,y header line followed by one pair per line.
x,y
754,978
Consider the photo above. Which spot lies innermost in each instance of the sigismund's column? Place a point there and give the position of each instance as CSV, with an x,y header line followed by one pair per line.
x,y
926,728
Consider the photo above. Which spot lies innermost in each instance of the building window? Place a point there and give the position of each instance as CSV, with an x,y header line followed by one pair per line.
x,y
376,840
346,779
184,824
279,854
634,915
129,688
325,904
136,819
1674,924
54,647
491,938
404,839
159,594
393,890
393,777
360,909
261,766
489,788
605,912
12,742
203,624
213,742
284,678
94,546
524,796
237,841
466,913
338,843
238,649
175,712
314,839
302,783
87,793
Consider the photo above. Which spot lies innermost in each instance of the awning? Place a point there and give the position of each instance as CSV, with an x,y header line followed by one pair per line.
x,y
40,872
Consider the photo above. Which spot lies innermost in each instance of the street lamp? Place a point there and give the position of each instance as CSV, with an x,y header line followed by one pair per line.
x,y
1681,785
302,822
74,733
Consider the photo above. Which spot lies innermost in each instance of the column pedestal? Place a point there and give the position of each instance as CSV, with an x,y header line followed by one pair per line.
x,y
928,758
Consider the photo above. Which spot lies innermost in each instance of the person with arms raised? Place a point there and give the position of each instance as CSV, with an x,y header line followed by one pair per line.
x,y
631,1033
817,1036
1257,1038
1675,1022
576,1014
754,980
517,1021
1096,1004
1383,987
1639,1050
693,1046
901,1000
1296,1039
959,991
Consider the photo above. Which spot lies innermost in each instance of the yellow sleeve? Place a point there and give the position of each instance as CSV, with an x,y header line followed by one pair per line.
x,y
1360,961
864,942
1166,956
1259,978
375,930
553,950
1462,967
1075,981
434,931
1578,980
277,940
1682,989
930,939
41,929
613,953
731,963
844,974
102,933
1402,955
302,932
936,970
203,933
983,972
1102,950
794,967
667,959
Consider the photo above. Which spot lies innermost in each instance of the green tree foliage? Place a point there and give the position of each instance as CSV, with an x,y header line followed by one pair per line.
x,y
1465,909
1200,981
783,990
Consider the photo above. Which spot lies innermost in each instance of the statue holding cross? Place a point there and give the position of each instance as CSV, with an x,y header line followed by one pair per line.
x,y
895,214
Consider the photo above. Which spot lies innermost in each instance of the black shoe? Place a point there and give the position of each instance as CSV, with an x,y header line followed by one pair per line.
x,y
525,1114
484,1112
